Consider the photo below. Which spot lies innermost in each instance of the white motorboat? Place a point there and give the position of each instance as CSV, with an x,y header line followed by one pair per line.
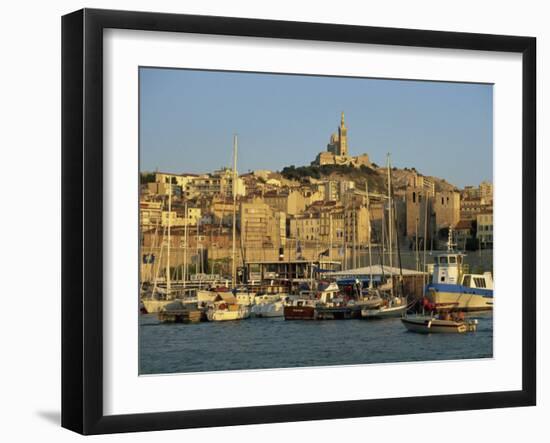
x,y
429,324
395,307
266,310
268,305
227,312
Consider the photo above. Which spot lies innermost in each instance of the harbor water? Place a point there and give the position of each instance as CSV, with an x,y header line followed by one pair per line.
x,y
261,343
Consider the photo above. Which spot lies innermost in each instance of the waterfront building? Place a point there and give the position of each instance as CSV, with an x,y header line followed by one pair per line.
x,y
421,183
162,188
486,191
219,183
484,232
470,207
419,207
291,202
222,210
180,180
447,209
150,213
336,189
260,227
320,226
356,225
313,193
305,227
289,270
178,217
464,234
330,228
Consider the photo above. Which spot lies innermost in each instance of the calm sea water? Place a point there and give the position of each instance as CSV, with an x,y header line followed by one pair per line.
x,y
275,343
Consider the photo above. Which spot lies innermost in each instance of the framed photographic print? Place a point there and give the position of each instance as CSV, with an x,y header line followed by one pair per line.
x,y
269,221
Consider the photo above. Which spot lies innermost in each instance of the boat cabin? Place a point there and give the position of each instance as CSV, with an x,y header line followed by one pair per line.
x,y
330,294
479,281
448,268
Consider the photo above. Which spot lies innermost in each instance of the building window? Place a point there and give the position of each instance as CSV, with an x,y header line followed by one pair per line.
x,y
414,197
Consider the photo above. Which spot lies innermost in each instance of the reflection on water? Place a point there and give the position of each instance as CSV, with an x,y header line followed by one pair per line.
x,y
275,343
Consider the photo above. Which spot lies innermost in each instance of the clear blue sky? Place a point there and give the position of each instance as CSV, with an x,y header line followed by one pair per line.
x,y
188,117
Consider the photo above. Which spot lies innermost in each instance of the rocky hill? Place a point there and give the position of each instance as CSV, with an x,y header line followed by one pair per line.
x,y
376,176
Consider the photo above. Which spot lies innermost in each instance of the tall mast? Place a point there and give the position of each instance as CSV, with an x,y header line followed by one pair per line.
x,y
417,258
425,237
330,236
186,213
168,282
354,237
233,250
157,271
369,232
390,219
345,239
198,267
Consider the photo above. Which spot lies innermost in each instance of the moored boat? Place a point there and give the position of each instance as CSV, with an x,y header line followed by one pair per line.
x,y
180,312
227,312
332,305
429,324
300,309
153,305
267,306
451,288
395,307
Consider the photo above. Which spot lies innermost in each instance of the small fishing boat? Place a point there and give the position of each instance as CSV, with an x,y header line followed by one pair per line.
x,y
395,307
452,288
332,305
267,306
227,312
300,309
429,324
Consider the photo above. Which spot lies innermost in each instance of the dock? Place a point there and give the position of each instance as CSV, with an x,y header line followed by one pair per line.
x,y
180,316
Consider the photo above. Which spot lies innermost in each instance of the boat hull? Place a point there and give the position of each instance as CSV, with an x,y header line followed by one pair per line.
x,y
338,313
384,312
154,306
431,325
299,312
458,297
227,315
268,310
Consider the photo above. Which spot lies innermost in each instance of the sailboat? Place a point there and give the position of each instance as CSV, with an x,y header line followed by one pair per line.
x,y
160,297
391,305
239,308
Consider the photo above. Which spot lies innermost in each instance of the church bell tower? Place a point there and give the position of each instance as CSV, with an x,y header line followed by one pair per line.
x,y
343,137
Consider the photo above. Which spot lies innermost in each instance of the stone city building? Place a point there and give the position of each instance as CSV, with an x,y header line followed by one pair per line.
x,y
261,227
446,209
484,233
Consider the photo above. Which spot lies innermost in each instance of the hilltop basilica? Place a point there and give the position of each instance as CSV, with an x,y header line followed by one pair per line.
x,y
337,150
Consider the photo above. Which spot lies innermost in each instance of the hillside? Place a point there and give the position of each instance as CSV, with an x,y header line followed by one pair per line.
x,y
337,173
376,177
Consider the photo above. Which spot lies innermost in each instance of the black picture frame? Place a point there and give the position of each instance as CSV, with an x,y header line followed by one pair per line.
x,y
82,218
